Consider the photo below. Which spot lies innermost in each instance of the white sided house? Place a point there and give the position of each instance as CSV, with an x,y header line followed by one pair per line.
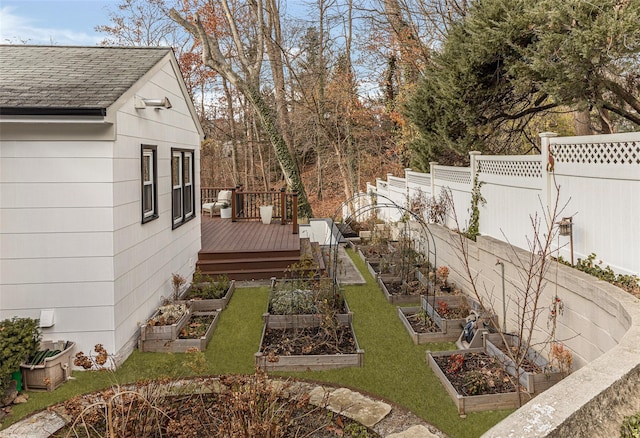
x,y
99,188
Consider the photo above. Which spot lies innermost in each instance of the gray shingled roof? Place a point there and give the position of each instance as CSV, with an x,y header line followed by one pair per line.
x,y
69,78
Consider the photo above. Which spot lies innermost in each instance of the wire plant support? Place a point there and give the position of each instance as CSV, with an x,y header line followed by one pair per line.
x,y
425,241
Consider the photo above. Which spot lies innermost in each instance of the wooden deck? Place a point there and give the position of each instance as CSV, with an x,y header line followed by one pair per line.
x,y
223,235
247,250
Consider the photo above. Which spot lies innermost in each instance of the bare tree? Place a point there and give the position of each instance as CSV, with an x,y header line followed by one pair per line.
x,y
141,23
532,270
248,55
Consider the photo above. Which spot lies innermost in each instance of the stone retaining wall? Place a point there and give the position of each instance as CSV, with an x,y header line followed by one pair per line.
x,y
600,324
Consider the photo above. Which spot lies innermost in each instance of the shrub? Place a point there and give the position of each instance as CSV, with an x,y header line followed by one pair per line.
x,y
19,339
167,315
293,302
630,427
208,288
475,382
630,283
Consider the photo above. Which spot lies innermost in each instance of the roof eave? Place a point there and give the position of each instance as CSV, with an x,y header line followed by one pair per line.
x,y
49,111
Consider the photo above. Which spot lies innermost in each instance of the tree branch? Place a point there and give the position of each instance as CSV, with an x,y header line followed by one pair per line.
x,y
622,113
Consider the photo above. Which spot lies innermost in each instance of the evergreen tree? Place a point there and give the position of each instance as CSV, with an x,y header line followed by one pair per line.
x,y
507,61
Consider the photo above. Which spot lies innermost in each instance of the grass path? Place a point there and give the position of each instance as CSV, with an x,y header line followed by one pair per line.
x,y
394,368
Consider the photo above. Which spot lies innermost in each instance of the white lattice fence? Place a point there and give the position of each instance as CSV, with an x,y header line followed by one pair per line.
x,y
458,177
599,179
615,153
521,166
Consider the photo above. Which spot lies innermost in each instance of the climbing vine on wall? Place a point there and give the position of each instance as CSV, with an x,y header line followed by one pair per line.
x,y
473,231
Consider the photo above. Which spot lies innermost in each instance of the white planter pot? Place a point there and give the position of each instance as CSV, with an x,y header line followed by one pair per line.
x,y
266,213
225,213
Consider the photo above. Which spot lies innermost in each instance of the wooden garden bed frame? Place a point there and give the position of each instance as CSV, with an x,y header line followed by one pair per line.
x,y
212,304
534,383
450,331
177,345
163,332
394,298
309,362
473,403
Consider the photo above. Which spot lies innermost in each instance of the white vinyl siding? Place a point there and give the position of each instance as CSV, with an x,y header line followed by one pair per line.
x,y
72,237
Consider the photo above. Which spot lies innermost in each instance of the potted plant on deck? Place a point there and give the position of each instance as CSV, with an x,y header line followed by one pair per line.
x,y
225,211
266,213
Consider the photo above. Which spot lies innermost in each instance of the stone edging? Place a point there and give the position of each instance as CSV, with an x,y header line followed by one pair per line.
x,y
388,420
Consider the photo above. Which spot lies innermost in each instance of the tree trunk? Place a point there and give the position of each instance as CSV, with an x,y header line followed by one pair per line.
x,y
247,81
344,171
233,131
582,122
266,180
350,177
289,169
274,53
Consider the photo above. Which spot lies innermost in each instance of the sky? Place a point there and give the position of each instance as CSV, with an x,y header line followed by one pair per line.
x,y
56,22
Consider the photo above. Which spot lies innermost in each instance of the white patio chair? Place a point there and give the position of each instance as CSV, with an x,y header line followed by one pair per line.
x,y
224,197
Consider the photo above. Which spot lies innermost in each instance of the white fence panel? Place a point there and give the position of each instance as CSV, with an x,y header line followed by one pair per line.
x,y
599,177
398,195
460,182
382,189
512,188
599,180
418,183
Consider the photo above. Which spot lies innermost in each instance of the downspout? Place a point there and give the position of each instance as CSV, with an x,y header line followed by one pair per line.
x,y
504,299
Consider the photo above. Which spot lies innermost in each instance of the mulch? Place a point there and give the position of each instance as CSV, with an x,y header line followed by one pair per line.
x,y
309,341
476,374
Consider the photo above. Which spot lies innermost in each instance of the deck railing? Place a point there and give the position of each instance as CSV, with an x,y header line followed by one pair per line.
x,y
245,205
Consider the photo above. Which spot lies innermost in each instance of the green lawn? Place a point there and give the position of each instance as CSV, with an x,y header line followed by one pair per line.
x,y
394,368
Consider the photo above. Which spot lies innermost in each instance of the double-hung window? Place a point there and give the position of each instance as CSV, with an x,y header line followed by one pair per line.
x,y
182,187
149,174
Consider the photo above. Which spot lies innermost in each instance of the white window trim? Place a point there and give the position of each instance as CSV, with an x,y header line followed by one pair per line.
x,y
151,152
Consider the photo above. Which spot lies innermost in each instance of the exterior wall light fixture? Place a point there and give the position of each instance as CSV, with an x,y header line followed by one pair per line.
x,y
142,103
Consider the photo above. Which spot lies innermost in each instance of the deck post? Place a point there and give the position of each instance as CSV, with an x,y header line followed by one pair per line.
x,y
294,212
233,204
283,206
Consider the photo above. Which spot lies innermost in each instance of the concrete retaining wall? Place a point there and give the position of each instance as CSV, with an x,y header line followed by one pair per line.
x,y
600,325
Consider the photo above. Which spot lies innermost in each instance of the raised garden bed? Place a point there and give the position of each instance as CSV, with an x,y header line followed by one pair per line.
x,y
49,368
450,311
373,252
369,257
474,380
304,320
195,333
450,289
306,297
423,329
166,328
307,326
373,267
536,374
300,349
401,292
208,297
443,324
